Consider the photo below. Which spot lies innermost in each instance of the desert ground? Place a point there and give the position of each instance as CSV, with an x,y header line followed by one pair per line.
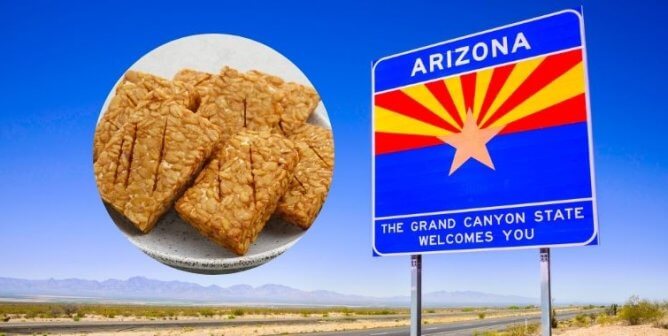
x,y
617,330
141,320
133,320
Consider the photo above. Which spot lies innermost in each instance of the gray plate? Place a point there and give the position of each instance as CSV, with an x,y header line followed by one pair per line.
x,y
174,242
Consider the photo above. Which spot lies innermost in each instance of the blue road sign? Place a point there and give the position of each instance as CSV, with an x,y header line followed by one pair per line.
x,y
484,142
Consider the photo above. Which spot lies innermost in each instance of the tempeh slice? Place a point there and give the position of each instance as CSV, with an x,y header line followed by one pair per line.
x,y
136,89
237,192
151,159
295,102
255,100
308,190
240,101
182,93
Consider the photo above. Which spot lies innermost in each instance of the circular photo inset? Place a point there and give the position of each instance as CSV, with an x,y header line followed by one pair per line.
x,y
213,154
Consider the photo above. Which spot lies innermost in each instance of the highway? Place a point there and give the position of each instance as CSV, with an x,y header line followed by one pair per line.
x,y
448,329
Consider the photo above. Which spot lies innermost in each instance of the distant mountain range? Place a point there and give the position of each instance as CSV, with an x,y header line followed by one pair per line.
x,y
140,289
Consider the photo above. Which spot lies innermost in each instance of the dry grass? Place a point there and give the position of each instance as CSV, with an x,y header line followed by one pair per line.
x,y
35,311
29,311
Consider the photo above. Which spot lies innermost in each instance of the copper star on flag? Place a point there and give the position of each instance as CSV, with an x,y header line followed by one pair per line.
x,y
471,142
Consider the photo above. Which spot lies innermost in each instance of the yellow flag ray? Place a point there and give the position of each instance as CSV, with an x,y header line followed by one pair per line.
x,y
454,85
421,94
566,86
520,72
391,122
481,84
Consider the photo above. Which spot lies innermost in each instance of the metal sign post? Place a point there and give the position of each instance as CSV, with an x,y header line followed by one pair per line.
x,y
473,140
416,295
545,292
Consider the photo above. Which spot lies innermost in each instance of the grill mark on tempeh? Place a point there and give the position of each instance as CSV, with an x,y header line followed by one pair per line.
x,y
218,182
245,117
280,126
118,159
250,153
162,153
132,155
300,183
318,155
202,80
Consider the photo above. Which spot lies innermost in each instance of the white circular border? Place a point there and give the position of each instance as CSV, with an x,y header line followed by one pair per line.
x,y
210,53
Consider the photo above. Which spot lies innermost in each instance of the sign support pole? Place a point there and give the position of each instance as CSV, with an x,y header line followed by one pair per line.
x,y
545,292
416,295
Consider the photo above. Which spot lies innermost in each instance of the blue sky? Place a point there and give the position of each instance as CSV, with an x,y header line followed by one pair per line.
x,y
59,61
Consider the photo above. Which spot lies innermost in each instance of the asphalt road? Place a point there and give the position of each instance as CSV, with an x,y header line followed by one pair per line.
x,y
449,329
459,328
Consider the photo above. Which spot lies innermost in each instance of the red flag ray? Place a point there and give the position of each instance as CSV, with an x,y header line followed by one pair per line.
x,y
440,91
550,69
499,77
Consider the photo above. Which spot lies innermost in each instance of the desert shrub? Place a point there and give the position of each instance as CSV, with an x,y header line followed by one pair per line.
x,y
582,320
238,312
481,315
431,311
207,312
605,319
486,333
554,322
522,330
467,310
55,311
612,309
636,311
69,309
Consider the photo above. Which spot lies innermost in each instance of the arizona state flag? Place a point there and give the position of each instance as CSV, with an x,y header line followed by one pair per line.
x,y
484,142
